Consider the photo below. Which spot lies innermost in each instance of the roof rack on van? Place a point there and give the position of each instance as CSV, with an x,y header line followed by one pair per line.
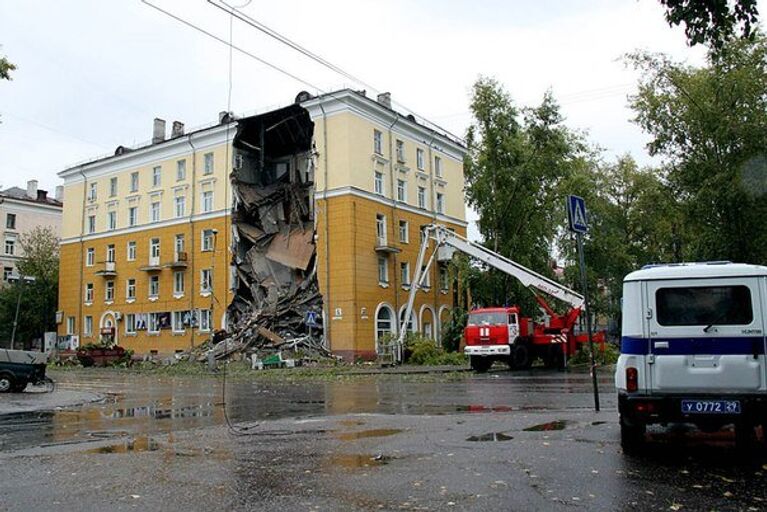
x,y
656,265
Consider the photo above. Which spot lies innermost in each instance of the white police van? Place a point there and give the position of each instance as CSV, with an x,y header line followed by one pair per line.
x,y
693,349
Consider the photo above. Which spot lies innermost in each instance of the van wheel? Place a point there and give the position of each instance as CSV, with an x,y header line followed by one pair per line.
x,y
632,436
480,364
6,382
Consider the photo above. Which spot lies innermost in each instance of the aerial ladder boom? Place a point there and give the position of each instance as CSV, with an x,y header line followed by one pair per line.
x,y
447,238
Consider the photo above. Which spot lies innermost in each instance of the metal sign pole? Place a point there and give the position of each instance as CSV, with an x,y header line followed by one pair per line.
x,y
587,312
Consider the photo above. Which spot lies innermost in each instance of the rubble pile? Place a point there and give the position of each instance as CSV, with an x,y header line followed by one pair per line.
x,y
273,245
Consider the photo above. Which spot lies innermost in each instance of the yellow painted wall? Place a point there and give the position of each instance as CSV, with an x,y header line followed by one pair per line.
x,y
72,284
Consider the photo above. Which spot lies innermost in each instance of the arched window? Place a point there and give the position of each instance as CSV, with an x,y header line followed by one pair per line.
x,y
412,325
384,322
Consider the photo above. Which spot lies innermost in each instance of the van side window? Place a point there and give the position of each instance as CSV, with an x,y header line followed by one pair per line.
x,y
704,305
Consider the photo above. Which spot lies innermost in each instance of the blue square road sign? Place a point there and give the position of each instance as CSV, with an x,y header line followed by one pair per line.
x,y
576,214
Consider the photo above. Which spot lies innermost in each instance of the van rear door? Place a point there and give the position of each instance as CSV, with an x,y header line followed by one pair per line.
x,y
706,336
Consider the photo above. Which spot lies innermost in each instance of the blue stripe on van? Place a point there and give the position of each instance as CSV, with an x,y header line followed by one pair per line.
x,y
748,345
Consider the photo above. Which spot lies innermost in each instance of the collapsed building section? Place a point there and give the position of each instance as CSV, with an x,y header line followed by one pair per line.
x,y
273,242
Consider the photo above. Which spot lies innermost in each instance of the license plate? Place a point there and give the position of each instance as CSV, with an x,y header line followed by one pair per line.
x,y
711,406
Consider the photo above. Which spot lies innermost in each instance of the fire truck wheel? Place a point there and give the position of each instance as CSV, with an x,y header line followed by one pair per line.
x,y
480,364
521,357
554,358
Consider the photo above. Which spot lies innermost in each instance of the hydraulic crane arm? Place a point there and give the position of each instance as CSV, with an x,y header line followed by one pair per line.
x,y
446,238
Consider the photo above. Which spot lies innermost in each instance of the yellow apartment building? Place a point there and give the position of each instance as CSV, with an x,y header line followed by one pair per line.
x,y
164,243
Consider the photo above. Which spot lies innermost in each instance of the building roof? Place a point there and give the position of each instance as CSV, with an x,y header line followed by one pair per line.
x,y
714,269
20,194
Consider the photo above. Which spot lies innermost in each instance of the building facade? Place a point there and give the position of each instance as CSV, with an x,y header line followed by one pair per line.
x,y
156,251
22,210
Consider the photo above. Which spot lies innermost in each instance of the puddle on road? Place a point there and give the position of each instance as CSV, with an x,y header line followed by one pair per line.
x,y
134,445
356,461
363,434
546,427
491,436
483,408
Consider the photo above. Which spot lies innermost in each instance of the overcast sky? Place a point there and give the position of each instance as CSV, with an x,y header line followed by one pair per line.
x,y
92,74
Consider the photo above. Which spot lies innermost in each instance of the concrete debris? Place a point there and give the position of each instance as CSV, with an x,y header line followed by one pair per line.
x,y
274,254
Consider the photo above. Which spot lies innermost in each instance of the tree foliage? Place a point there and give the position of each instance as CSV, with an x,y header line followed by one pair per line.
x,y
517,158
40,247
710,126
5,68
712,22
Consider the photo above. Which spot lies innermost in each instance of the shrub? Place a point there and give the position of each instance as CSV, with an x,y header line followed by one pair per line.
x,y
421,350
583,355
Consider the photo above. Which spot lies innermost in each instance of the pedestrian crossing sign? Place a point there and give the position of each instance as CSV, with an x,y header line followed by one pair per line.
x,y
576,214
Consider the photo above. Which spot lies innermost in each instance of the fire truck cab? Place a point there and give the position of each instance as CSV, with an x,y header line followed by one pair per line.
x,y
491,334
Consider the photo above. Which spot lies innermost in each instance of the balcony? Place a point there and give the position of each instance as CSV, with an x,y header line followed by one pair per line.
x,y
383,246
179,261
154,265
109,270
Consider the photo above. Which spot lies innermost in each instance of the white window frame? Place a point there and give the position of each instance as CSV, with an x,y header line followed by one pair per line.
x,y
130,323
134,181
440,206
180,206
179,243
130,289
404,268
154,248
426,282
421,197
131,251
112,220
208,163
91,223
113,186
153,323
206,240
89,293
377,142
181,169
205,318
401,190
207,201
109,291
444,278
155,213
10,221
177,322
88,325
437,166
132,215
70,325
383,270
93,192
156,176
400,146
179,282
110,253
10,246
90,257
206,281
419,158
404,232
154,286
381,237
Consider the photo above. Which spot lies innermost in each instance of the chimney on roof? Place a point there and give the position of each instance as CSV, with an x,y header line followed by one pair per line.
x,y
177,130
42,195
384,99
158,130
32,189
59,196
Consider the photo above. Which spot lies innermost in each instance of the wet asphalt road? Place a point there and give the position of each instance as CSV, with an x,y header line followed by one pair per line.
x,y
509,441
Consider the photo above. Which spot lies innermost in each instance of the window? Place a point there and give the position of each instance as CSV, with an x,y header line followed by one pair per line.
x,y
421,197
156,176
205,320
411,325
438,166
134,181
178,283
130,323
88,293
109,291
704,305
384,324
402,190
92,191
400,151
111,253
180,206
383,270
207,201
153,325
7,272
378,184
403,231
487,319
208,167
179,243
419,158
130,289
10,221
181,170
132,215
131,251
440,202
425,278
113,187
154,211
444,278
380,229
91,223
88,326
90,257
206,280
207,240
111,221
154,286
177,321
404,273
377,142
70,325
10,246
154,248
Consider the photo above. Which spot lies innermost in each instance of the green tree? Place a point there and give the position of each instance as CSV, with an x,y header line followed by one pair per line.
x,y
516,160
709,125
5,68
712,22
40,247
